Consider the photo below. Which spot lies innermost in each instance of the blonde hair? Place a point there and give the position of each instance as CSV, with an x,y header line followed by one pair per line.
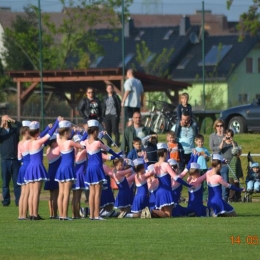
x,y
185,94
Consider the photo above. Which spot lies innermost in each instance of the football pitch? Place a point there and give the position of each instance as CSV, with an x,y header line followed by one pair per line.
x,y
175,238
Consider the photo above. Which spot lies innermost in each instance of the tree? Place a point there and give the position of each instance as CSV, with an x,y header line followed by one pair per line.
x,y
21,42
152,63
249,21
71,44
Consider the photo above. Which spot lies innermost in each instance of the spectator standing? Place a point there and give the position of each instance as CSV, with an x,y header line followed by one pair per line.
x,y
89,107
214,142
134,130
9,139
184,106
111,110
185,132
133,96
216,137
226,146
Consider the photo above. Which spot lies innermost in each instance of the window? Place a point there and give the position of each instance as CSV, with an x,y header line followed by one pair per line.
x,y
184,62
216,54
95,63
242,98
168,35
249,65
128,57
139,36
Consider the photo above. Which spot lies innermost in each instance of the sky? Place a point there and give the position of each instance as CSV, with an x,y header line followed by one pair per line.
x,y
183,7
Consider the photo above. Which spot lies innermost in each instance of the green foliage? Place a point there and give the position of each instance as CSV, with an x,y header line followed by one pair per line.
x,y
153,63
21,42
249,21
70,44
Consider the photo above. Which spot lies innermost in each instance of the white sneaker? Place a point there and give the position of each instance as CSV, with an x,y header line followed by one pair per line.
x,y
147,213
67,218
143,213
99,218
122,214
81,212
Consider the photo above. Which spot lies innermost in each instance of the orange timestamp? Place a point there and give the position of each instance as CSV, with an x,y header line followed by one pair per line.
x,y
249,240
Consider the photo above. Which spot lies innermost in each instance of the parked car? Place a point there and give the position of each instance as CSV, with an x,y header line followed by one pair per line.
x,y
244,118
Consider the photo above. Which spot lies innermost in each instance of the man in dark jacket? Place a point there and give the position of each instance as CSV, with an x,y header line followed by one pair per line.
x,y
111,110
90,107
9,139
134,130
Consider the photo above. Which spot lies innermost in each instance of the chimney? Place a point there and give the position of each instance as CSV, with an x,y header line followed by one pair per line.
x,y
184,25
129,27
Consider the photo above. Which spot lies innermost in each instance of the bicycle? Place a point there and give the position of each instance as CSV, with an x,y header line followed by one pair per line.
x,y
160,120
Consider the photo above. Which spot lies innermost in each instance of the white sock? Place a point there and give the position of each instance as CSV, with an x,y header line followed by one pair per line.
x,y
129,215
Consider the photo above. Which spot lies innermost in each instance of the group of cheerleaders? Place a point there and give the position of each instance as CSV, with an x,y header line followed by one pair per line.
x,y
77,162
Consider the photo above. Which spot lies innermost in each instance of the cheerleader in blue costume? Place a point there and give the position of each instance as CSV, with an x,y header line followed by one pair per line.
x,y
54,159
79,185
178,210
107,197
65,174
35,173
195,204
153,185
95,175
214,181
123,200
24,156
217,206
164,201
141,199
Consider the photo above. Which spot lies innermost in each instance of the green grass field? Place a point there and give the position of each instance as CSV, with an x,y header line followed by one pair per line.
x,y
183,238
176,238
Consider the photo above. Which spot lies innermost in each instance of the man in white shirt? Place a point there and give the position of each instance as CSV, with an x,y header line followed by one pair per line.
x,y
133,97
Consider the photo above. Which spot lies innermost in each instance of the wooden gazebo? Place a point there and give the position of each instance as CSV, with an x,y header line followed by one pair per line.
x,y
75,82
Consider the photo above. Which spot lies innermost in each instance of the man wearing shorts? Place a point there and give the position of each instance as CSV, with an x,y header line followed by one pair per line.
x,y
133,97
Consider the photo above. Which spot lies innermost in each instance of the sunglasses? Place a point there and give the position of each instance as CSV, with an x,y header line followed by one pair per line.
x,y
219,125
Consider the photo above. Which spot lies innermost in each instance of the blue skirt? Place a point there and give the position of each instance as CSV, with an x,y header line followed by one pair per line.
x,y
65,173
107,197
21,173
35,172
80,176
95,175
163,198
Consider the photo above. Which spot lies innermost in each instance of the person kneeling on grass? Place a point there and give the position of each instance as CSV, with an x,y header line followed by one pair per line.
x,y
163,196
195,204
217,206
141,199
123,200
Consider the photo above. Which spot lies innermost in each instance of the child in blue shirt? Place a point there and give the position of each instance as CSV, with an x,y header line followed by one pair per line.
x,y
203,157
202,153
136,152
